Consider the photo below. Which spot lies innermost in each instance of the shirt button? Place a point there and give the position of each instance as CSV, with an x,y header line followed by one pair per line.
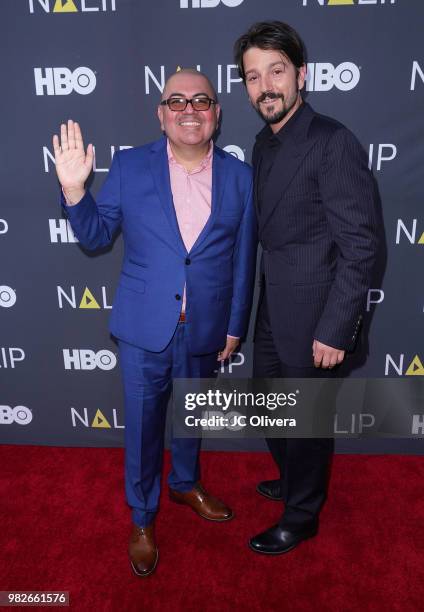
x,y
178,296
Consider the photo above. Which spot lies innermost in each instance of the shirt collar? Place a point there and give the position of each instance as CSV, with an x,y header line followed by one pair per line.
x,y
206,162
266,135
289,126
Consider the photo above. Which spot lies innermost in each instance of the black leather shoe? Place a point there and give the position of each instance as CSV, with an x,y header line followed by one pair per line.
x,y
271,489
277,540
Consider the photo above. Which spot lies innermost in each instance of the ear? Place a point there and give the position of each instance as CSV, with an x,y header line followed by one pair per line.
x,y
301,77
217,111
160,117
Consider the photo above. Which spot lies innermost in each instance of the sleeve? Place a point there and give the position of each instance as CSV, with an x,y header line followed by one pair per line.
x,y
349,196
244,264
95,221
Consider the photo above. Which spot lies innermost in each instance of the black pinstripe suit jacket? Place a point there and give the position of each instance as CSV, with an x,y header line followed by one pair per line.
x,y
318,230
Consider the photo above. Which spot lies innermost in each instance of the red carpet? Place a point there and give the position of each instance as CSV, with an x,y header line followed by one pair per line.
x,y
64,526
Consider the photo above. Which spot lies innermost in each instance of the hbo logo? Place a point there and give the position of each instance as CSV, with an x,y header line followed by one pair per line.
x,y
324,76
7,296
19,414
88,360
62,81
209,3
235,151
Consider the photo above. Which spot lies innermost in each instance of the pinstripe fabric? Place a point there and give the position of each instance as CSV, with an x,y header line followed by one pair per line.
x,y
318,229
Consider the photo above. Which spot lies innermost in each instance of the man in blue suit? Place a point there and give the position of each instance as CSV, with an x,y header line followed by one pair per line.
x,y
184,295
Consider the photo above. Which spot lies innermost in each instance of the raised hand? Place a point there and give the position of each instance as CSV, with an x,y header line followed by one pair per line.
x,y
73,165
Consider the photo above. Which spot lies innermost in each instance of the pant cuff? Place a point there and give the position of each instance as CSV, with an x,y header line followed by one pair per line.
x,y
143,518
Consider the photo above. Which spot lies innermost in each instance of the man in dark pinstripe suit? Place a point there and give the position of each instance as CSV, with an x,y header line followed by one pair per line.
x,y
317,216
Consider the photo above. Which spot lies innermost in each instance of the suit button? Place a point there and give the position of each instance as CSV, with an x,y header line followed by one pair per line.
x,y
187,261
178,296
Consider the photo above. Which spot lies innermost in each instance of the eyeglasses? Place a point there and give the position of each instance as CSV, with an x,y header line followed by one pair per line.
x,y
180,104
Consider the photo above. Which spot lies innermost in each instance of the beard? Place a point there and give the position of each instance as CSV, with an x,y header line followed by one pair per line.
x,y
272,116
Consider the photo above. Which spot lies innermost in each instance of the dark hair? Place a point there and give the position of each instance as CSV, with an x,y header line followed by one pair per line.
x,y
275,35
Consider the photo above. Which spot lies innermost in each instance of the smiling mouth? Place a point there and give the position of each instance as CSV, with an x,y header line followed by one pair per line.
x,y
189,123
268,101
269,98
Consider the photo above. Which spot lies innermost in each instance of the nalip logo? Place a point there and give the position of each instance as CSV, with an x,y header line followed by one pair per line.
x,y
99,420
345,2
409,231
404,365
88,301
71,6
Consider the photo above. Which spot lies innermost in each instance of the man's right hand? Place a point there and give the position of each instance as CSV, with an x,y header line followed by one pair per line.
x,y
73,165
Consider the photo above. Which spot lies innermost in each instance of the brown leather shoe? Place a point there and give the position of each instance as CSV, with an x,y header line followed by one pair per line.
x,y
202,503
142,550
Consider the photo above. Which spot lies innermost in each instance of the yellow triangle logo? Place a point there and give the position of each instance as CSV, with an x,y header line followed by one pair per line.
x,y
416,368
100,421
65,7
88,300
335,2
421,240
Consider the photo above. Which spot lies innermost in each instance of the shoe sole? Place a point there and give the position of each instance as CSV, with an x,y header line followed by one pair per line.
x,y
144,574
268,496
208,518
281,552
223,520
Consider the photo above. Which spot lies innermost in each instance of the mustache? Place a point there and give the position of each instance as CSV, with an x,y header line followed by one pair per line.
x,y
271,95
191,117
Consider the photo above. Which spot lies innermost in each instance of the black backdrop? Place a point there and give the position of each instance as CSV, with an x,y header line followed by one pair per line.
x,y
103,63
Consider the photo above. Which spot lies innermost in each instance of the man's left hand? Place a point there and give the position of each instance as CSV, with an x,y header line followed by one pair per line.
x,y
230,347
326,356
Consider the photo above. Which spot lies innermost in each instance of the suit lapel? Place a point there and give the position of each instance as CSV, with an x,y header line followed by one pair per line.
x,y
290,157
257,167
159,167
288,160
219,174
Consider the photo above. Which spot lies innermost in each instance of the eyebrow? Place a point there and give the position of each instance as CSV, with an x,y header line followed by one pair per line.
x,y
269,66
202,93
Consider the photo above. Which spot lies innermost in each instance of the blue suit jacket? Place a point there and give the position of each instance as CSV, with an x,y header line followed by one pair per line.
x,y
218,271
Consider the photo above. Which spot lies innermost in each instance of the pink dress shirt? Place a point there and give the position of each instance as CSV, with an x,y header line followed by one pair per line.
x,y
192,195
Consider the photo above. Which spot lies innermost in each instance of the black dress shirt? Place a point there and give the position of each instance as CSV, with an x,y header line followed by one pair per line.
x,y
268,146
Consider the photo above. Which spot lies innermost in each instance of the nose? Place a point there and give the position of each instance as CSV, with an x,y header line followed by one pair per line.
x,y
189,108
266,83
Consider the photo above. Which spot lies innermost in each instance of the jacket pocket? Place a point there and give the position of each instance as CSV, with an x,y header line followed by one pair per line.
x,y
137,262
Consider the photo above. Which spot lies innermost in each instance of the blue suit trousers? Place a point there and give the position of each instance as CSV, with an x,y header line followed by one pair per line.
x,y
147,378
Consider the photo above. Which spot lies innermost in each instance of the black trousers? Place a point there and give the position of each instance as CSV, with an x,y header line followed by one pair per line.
x,y
303,463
